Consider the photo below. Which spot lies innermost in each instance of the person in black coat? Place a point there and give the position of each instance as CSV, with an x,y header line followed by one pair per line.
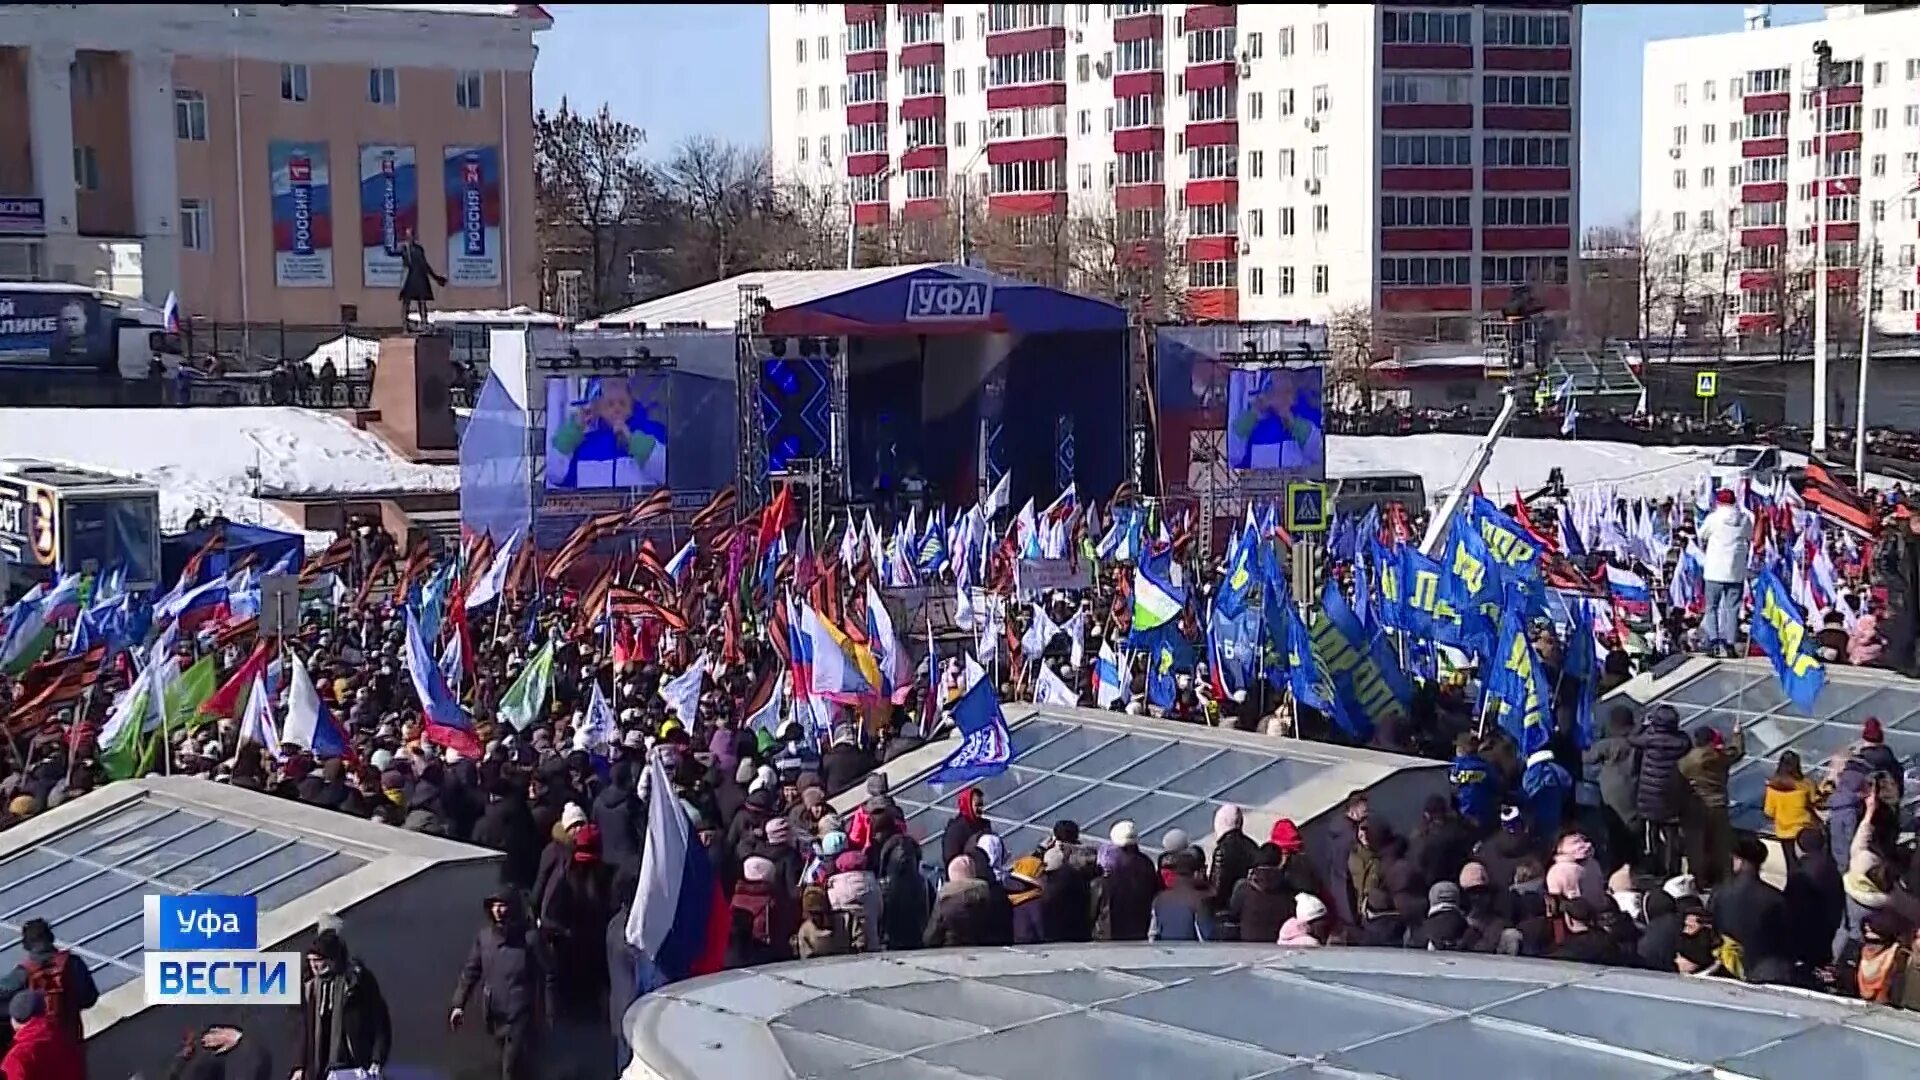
x,y
1750,911
1066,904
508,966
1234,856
1123,893
1660,792
964,827
1263,901
621,819
895,859
416,288
1816,902
344,1023
845,763
507,826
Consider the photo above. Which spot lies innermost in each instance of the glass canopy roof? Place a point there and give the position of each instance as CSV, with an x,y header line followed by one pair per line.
x,y
1096,775
90,881
1746,691
1210,1012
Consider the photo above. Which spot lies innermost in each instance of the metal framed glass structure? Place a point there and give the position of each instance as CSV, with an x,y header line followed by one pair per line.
x,y
1723,692
1211,1012
90,881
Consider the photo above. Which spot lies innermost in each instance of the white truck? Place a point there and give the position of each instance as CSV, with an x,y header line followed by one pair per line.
x,y
52,326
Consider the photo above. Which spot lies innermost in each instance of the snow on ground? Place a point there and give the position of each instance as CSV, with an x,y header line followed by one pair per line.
x,y
1523,464
198,458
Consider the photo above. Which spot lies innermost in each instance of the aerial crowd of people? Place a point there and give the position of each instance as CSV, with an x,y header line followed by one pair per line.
x,y
1630,859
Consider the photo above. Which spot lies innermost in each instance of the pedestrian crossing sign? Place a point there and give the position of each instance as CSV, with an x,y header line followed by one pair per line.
x,y
1706,384
1306,507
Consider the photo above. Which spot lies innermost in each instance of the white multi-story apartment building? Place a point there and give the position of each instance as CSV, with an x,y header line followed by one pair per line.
x,y
1733,132
1419,160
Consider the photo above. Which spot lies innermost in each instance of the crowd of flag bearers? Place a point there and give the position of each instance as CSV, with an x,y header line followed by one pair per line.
x,y
648,722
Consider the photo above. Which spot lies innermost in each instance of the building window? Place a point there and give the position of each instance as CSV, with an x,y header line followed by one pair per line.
x,y
800,50
196,227
1322,279
1321,218
1426,270
1320,37
86,168
1256,164
1679,221
824,97
1256,223
1679,179
1426,150
383,86
1257,281
190,115
466,90
1286,223
1256,106
293,82
802,156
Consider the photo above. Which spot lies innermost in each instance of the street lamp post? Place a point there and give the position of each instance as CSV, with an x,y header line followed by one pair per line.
x,y
1823,58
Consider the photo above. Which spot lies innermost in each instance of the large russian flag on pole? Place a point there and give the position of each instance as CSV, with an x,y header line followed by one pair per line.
x,y
680,918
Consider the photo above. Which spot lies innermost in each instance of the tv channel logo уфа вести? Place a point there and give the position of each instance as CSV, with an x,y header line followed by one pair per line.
x,y
201,951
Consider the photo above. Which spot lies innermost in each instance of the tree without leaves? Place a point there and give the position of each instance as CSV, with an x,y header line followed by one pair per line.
x,y
592,196
1133,257
727,214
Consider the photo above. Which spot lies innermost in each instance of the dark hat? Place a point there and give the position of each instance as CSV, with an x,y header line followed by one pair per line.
x,y
26,1005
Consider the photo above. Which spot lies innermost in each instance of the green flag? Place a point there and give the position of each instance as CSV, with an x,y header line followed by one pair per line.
x,y
123,735
188,691
521,705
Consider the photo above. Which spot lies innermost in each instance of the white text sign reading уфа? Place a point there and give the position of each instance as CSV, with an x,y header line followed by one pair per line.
x,y
200,950
936,300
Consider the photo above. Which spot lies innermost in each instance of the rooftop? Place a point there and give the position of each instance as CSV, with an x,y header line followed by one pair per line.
x,y
86,866
1097,768
1725,692
1237,1012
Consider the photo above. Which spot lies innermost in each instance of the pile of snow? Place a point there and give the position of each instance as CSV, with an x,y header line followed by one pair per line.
x,y
1523,464
199,458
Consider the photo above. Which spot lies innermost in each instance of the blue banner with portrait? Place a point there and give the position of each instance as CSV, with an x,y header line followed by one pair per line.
x,y
59,328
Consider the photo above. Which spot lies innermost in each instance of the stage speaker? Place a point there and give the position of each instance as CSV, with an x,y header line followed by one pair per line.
x,y
410,393
796,409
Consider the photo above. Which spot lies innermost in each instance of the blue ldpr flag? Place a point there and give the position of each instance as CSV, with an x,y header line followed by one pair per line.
x,y
1580,665
985,748
1518,686
1781,634
1306,676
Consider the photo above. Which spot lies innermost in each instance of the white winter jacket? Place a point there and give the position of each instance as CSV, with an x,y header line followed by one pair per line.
x,y
1727,536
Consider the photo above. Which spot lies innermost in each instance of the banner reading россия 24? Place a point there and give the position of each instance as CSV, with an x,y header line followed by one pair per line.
x,y
473,216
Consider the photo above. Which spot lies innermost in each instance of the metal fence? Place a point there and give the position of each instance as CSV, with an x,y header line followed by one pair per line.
x,y
258,346
351,392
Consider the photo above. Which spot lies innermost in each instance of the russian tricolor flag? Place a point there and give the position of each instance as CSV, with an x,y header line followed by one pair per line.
x,y
679,919
447,723
837,670
309,722
1629,591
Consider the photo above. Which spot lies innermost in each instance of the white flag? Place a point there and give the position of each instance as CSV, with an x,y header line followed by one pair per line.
x,y
1051,689
256,723
682,693
600,729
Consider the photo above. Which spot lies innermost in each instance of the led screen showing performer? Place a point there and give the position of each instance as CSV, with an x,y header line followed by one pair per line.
x,y
606,431
1275,422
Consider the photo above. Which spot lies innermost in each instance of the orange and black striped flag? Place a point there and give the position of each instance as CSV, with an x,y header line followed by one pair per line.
x,y
1838,502
657,503
338,554
718,511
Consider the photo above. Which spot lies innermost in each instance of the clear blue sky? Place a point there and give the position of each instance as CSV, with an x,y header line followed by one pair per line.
x,y
686,69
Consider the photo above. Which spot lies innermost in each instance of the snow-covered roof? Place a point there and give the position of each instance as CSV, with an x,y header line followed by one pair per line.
x,y
1522,464
716,305
517,315
349,354
198,458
